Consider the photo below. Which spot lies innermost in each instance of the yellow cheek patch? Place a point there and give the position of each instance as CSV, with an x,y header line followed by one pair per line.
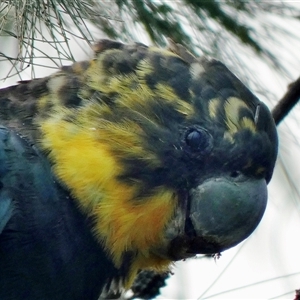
x,y
87,166
87,154
78,161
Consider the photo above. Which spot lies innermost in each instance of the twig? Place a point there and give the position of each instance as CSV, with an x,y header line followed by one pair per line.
x,y
297,295
287,102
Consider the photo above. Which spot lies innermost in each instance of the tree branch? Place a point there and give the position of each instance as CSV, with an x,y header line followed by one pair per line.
x,y
297,295
287,102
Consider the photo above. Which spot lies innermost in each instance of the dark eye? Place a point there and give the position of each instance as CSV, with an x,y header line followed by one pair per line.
x,y
198,139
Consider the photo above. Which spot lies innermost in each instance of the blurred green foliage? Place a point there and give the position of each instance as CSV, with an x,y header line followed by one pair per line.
x,y
203,26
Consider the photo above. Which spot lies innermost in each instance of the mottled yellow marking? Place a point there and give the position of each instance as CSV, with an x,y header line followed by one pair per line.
x,y
43,103
134,92
91,112
167,94
144,68
213,105
55,84
248,123
97,76
123,84
233,121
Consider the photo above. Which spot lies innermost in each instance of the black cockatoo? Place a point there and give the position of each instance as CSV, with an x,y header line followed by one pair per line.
x,y
130,161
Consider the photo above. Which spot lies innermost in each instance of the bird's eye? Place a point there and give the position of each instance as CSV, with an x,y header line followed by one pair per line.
x,y
198,139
